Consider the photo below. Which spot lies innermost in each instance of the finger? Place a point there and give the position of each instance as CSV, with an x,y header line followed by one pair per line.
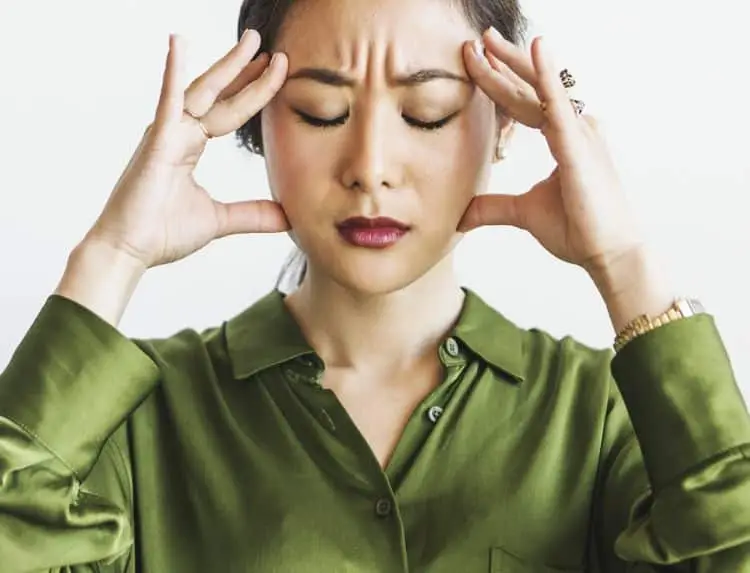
x,y
169,108
591,125
561,127
515,98
250,73
519,98
490,80
202,93
516,57
259,216
231,114
490,210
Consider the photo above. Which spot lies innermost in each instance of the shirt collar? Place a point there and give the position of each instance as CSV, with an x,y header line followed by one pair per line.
x,y
489,334
266,334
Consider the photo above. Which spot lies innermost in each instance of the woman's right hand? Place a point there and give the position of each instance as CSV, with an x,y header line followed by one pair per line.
x,y
157,213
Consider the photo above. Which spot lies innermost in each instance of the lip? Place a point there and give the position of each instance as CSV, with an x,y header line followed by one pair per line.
x,y
372,233
373,223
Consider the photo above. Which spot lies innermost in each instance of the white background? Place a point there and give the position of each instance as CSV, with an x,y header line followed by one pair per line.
x,y
669,81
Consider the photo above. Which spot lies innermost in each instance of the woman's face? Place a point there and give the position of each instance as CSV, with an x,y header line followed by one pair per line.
x,y
377,119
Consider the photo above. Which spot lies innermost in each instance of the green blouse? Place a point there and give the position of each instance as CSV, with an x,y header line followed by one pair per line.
x,y
220,451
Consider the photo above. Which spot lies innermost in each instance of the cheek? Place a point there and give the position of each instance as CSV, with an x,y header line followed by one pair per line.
x,y
479,131
460,166
290,157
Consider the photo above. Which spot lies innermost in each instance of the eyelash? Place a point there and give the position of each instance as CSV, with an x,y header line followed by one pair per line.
x,y
341,120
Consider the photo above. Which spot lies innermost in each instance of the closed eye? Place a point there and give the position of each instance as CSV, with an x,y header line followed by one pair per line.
x,y
341,120
429,125
321,122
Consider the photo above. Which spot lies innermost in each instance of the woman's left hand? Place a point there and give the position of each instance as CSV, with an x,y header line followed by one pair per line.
x,y
578,213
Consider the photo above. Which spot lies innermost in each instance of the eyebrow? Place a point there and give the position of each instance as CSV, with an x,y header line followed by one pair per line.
x,y
334,78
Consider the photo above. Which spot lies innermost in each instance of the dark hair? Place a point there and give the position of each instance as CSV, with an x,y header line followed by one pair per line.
x,y
267,17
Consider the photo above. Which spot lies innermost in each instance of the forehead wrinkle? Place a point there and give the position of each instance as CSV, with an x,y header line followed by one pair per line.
x,y
399,68
367,45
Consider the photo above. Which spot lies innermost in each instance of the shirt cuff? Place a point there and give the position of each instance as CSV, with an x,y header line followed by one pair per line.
x,y
73,380
680,391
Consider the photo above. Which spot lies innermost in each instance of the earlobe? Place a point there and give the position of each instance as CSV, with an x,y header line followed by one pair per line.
x,y
506,125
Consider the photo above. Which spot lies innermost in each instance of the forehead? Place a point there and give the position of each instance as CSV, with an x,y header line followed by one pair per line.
x,y
344,31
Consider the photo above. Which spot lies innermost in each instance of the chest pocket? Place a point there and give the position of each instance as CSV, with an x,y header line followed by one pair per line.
x,y
503,562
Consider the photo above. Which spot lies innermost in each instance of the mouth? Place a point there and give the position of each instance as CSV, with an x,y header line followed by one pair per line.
x,y
375,233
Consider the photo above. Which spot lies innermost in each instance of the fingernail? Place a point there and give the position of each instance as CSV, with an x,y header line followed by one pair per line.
x,y
244,34
494,33
269,64
479,50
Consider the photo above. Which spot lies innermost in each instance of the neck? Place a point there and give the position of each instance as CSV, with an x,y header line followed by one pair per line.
x,y
377,332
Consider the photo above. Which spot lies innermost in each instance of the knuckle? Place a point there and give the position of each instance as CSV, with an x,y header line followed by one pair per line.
x,y
204,89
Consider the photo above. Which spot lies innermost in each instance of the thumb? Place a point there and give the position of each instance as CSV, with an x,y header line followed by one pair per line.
x,y
492,209
256,216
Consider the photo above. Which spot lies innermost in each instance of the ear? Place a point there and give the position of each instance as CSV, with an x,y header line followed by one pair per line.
x,y
505,129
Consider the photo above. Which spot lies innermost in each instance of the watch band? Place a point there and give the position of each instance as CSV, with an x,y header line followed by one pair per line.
x,y
680,308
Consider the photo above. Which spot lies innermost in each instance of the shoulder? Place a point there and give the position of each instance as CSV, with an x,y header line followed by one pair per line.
x,y
188,350
565,358
237,346
574,377
531,355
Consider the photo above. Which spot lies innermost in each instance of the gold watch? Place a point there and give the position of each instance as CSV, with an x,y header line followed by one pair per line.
x,y
680,308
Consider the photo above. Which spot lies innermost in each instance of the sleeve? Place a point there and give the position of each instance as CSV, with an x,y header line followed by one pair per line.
x,y
65,497
674,480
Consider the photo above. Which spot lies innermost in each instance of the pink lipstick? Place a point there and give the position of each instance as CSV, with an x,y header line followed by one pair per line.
x,y
377,233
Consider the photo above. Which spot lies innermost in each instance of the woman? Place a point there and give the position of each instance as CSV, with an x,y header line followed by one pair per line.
x,y
380,417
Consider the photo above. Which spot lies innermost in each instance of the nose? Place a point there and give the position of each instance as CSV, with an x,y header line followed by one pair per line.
x,y
370,162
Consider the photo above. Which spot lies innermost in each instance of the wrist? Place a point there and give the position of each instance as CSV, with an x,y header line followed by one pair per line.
x,y
100,278
633,284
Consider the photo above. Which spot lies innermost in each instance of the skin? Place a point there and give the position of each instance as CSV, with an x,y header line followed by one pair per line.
x,y
377,163
376,318
401,301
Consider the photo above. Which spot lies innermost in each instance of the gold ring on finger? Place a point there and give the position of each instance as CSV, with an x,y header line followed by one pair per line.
x,y
200,123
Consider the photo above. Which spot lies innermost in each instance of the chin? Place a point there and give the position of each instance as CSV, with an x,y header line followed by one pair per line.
x,y
372,272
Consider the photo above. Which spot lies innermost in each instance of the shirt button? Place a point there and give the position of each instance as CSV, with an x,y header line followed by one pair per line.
x,y
451,347
290,374
434,413
383,507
